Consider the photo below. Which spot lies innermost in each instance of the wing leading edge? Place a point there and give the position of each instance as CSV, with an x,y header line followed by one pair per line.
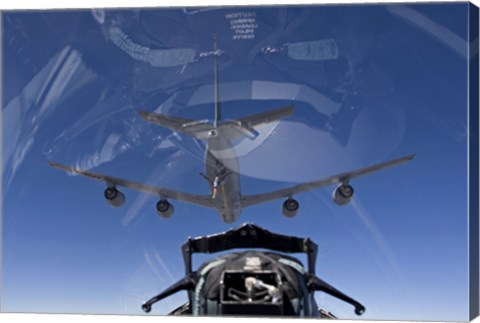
x,y
203,200
249,200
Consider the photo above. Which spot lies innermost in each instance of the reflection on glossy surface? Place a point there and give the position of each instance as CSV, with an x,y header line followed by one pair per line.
x,y
369,83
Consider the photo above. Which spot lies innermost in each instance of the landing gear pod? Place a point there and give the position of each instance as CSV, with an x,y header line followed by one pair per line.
x,y
290,207
164,209
114,197
343,194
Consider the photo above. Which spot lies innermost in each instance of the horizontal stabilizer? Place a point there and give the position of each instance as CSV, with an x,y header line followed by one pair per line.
x,y
246,126
174,123
266,117
195,128
204,129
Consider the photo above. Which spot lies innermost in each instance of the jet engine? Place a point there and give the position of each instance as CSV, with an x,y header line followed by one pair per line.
x,y
114,197
342,194
290,208
164,209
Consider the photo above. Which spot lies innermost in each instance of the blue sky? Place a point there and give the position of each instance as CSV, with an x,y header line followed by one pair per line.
x,y
74,81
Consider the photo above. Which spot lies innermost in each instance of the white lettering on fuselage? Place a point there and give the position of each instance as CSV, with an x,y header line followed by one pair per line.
x,y
243,24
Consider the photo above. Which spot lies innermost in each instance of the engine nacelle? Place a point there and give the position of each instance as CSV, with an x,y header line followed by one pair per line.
x,y
343,194
290,208
114,197
164,209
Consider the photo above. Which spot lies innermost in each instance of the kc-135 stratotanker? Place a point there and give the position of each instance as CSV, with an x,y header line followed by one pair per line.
x,y
222,167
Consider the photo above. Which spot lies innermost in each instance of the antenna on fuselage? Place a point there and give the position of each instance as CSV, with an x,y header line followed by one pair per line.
x,y
218,115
